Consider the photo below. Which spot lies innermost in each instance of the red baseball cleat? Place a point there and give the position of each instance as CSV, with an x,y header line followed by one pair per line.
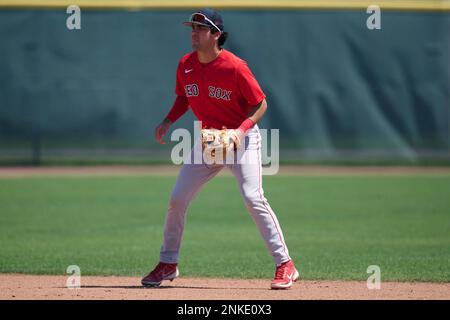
x,y
163,271
285,274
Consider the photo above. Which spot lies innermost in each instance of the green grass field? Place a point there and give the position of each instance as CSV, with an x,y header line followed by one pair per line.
x,y
335,226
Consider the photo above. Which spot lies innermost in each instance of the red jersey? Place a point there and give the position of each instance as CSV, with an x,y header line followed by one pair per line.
x,y
220,93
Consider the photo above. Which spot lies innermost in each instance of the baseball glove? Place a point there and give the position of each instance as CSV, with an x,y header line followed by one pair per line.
x,y
216,144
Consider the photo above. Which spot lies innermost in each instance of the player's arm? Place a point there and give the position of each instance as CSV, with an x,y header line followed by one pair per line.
x,y
253,95
180,106
257,112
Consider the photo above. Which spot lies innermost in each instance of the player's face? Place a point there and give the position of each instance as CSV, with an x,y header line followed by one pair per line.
x,y
202,38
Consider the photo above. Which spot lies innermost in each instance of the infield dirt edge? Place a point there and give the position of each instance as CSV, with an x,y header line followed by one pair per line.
x,y
45,287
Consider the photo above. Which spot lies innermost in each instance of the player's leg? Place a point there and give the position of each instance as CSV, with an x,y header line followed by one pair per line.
x,y
249,176
189,182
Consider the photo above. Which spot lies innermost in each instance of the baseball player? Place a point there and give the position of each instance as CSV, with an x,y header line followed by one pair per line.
x,y
222,92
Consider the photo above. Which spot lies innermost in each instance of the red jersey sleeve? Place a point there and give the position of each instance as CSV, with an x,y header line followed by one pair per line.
x,y
179,88
180,106
248,86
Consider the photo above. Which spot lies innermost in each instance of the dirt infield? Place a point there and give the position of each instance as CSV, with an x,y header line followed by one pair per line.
x,y
30,287
172,170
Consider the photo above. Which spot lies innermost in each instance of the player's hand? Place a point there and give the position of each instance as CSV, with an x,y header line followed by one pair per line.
x,y
236,136
161,130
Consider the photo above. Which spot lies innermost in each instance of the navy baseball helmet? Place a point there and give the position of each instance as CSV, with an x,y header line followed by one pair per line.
x,y
206,17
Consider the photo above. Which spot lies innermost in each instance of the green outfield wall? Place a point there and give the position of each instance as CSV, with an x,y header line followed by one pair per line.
x,y
335,89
